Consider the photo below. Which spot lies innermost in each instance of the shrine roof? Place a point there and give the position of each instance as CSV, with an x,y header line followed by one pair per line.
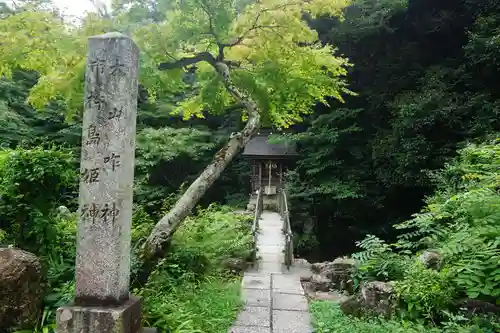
x,y
259,146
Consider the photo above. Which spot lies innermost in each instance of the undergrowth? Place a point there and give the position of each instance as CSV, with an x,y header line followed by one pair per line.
x,y
461,224
209,305
188,286
328,318
190,291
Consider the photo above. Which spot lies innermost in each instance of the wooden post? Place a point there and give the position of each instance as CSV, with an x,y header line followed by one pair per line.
x,y
260,175
281,176
252,178
270,168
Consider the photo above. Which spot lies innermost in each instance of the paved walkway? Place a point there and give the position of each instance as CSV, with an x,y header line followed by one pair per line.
x,y
274,299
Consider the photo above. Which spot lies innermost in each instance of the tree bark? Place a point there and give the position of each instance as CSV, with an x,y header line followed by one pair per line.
x,y
158,241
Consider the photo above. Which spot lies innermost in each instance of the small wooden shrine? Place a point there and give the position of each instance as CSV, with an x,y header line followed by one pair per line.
x,y
268,161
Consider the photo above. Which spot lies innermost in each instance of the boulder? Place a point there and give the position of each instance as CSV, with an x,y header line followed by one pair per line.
x,y
339,272
302,267
302,263
306,276
320,283
319,267
352,306
308,290
375,298
472,307
22,286
236,265
431,259
331,296
379,297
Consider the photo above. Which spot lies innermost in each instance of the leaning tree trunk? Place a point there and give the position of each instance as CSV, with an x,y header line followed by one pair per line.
x,y
158,241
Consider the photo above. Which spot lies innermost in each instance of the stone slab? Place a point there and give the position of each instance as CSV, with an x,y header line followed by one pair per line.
x,y
254,316
287,284
272,257
125,318
271,219
273,228
249,329
289,302
257,297
272,243
272,249
270,232
265,267
268,284
291,322
107,171
256,282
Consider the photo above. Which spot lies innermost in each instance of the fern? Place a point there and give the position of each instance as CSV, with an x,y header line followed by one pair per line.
x,y
378,261
461,221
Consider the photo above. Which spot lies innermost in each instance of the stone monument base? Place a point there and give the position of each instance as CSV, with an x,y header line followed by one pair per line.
x,y
125,318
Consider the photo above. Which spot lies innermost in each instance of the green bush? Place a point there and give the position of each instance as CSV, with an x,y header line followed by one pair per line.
x,y
190,284
378,262
328,318
33,183
36,187
461,222
187,287
218,233
206,306
189,291
425,292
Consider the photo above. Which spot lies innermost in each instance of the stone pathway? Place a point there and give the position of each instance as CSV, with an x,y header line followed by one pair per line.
x,y
275,301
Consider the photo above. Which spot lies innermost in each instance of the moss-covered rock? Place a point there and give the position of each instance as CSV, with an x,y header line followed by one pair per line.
x,y
375,298
21,289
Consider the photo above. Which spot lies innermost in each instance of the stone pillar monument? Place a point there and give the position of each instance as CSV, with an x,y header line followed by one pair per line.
x,y
102,301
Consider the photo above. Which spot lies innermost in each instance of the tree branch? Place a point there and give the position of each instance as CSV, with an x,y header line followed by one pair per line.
x,y
220,45
243,36
158,241
183,62
205,8
255,25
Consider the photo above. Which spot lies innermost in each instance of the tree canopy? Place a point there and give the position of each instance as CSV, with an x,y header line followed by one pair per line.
x,y
267,45
261,57
377,167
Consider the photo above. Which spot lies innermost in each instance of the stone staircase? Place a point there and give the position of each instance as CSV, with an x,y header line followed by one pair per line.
x,y
274,299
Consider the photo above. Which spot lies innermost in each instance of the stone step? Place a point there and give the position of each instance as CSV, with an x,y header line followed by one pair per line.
x,y
291,322
254,316
274,300
289,302
288,284
257,297
276,249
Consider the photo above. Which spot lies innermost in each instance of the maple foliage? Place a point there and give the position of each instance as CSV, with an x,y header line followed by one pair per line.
x,y
271,52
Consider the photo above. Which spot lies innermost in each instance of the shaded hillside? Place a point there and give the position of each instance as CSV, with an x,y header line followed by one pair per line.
x,y
424,77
